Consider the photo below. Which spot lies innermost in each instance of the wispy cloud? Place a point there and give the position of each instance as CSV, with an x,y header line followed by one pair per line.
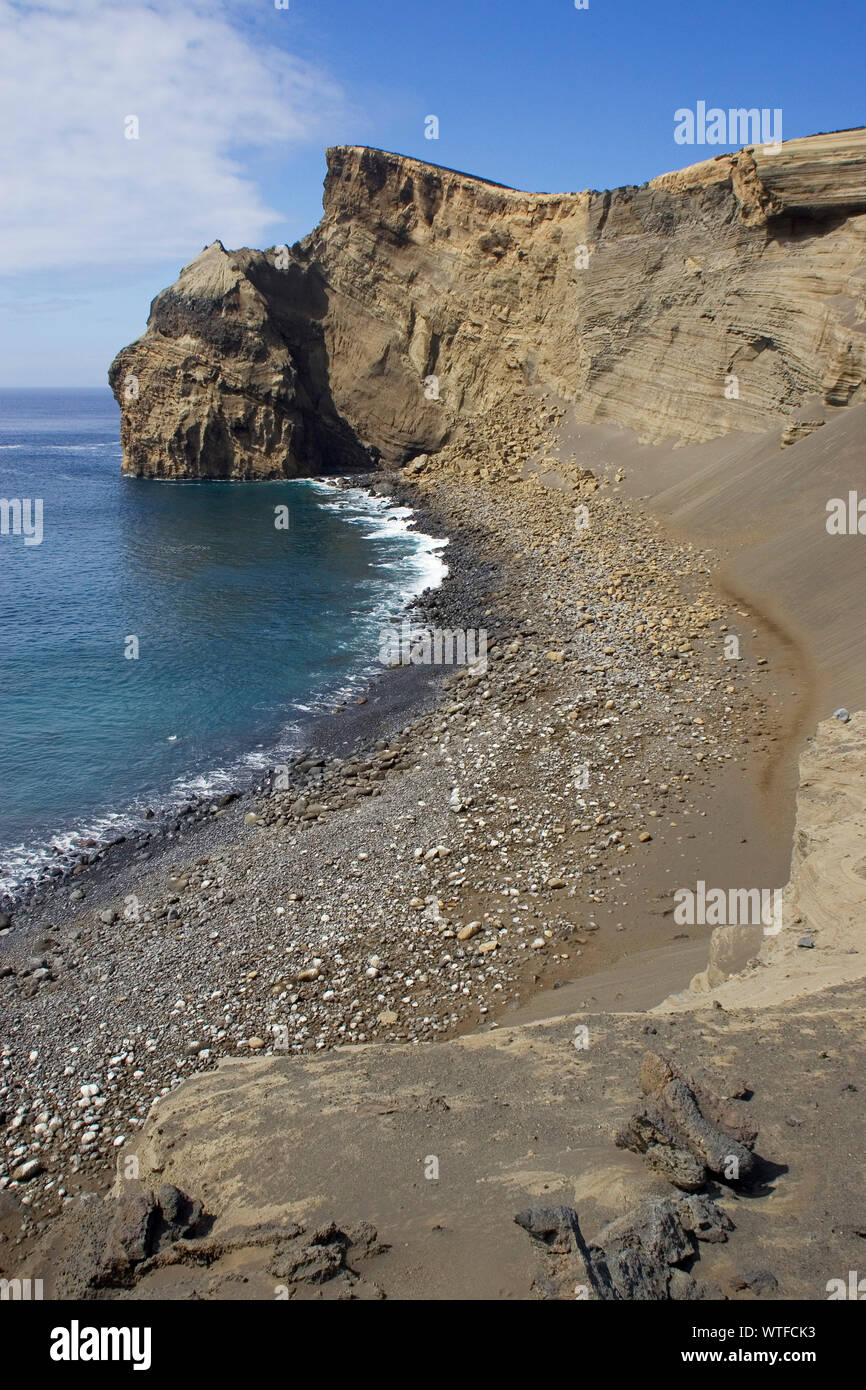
x,y
208,93
25,305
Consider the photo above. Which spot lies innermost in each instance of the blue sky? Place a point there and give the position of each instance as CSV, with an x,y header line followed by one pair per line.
x,y
237,102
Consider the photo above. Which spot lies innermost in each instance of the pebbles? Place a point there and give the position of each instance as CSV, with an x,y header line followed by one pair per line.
x,y
25,1171
408,885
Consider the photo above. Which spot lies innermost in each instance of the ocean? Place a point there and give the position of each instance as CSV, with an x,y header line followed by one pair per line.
x,y
165,640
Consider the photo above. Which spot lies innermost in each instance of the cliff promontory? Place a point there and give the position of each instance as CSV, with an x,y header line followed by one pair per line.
x,y
721,297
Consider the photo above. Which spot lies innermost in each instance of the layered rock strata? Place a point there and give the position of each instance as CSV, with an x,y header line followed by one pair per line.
x,y
720,297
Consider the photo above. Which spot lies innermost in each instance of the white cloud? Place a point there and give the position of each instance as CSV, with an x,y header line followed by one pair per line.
x,y
206,89
60,304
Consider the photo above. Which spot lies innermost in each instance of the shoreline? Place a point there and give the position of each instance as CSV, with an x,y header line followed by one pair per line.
x,y
465,914
82,852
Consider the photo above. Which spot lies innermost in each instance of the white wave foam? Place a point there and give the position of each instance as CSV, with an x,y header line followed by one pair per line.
x,y
421,568
64,448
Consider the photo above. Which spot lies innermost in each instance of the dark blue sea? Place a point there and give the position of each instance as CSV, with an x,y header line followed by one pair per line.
x,y
241,628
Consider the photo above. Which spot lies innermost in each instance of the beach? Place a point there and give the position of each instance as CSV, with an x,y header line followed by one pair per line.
x,y
463,844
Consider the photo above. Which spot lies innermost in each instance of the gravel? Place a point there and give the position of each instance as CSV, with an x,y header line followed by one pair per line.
x,y
433,848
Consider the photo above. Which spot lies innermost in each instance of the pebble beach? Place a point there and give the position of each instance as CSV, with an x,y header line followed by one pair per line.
x,y
448,846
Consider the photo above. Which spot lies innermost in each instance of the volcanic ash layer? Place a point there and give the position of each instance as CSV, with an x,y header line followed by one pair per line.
x,y
724,296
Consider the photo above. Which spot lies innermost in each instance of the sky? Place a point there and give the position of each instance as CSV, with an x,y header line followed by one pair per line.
x,y
234,104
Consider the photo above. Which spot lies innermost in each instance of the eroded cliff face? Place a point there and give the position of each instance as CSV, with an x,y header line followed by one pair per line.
x,y
230,380
425,296
817,941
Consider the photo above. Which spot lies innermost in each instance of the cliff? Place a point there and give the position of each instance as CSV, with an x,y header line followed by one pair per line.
x,y
425,296
820,944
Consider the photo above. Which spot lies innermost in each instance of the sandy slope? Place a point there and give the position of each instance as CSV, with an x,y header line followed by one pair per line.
x,y
765,508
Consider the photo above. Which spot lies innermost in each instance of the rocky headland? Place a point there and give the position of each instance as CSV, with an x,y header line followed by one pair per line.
x,y
424,297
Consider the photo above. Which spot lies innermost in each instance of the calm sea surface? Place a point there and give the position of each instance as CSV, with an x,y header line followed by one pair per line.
x,y
241,627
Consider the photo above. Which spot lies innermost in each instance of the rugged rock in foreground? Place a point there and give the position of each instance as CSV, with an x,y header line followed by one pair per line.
x,y
425,296
438,1147
685,1131
637,1257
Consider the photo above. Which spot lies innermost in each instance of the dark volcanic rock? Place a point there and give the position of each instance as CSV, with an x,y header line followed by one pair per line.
x,y
685,1131
637,1257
